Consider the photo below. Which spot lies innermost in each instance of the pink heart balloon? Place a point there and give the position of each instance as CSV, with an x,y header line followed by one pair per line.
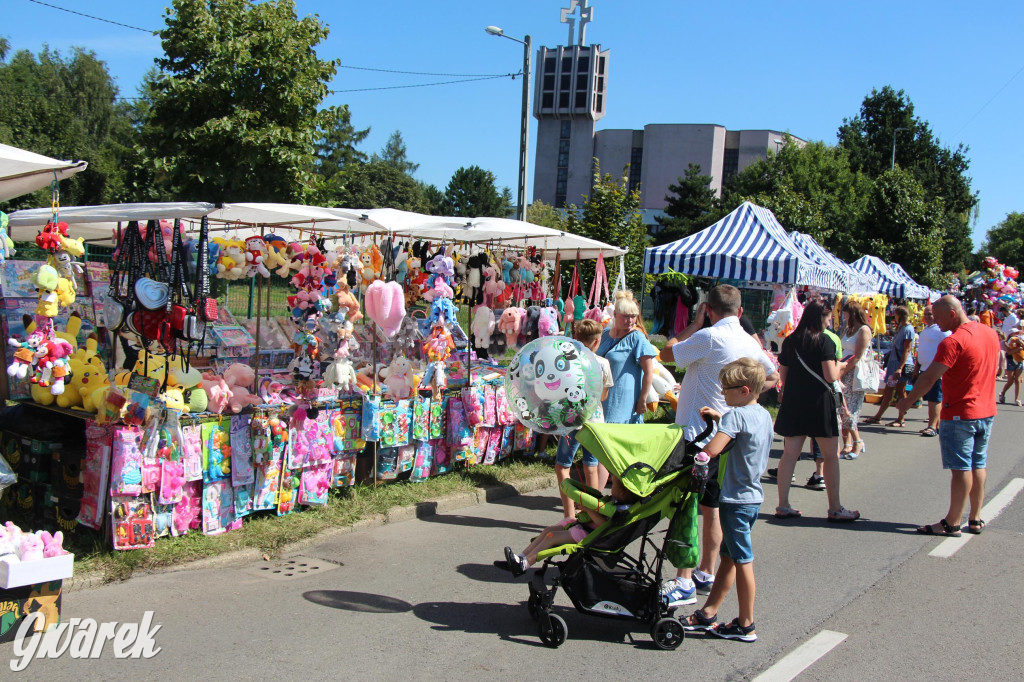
x,y
385,305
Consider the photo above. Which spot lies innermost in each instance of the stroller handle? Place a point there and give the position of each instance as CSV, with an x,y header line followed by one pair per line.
x,y
709,426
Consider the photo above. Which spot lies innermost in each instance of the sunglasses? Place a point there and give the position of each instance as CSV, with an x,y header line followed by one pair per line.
x,y
733,388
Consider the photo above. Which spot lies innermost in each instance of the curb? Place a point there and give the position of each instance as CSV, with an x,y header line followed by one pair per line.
x,y
442,505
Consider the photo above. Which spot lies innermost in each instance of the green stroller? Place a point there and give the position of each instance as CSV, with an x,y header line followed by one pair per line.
x,y
601,578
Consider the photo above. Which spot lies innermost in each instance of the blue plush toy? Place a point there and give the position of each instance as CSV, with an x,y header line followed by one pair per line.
x,y
506,271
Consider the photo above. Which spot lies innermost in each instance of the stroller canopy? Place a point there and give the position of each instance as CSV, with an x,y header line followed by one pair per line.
x,y
636,454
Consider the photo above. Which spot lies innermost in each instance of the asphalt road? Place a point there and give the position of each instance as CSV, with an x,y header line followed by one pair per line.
x,y
421,599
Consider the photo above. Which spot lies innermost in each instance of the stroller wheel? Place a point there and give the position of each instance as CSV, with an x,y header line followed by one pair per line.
x,y
553,630
667,633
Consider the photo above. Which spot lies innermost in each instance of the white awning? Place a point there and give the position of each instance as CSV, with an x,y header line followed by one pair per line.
x,y
23,171
98,223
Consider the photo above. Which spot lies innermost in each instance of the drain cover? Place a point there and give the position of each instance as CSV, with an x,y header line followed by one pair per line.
x,y
293,567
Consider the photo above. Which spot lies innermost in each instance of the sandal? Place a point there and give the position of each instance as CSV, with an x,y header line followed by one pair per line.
x,y
787,513
844,515
699,621
947,530
1017,403
847,449
929,432
898,424
974,527
872,420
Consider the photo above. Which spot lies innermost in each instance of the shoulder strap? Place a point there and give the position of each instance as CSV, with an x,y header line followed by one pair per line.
x,y
813,373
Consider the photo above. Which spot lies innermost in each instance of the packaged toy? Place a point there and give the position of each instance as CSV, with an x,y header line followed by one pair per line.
x,y
218,506
126,462
315,483
241,451
344,470
131,520
216,451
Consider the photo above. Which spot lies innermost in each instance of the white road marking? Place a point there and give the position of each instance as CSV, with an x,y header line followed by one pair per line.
x,y
801,658
995,506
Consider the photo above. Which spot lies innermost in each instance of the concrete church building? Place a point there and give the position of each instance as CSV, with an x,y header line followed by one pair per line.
x,y
571,96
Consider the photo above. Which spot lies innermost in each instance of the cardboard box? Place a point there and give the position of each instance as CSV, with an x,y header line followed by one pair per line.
x,y
36,572
16,603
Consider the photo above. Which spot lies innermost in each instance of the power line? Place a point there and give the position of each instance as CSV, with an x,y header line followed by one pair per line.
x,y
998,92
426,85
424,73
90,16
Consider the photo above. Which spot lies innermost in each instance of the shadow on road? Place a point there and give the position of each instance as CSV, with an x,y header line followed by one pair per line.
x,y
511,622
862,524
532,502
357,601
482,522
486,573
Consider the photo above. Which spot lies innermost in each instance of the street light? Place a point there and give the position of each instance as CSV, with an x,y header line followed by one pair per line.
x,y
893,166
524,131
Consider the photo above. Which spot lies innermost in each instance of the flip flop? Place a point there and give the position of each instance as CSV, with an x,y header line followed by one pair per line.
x,y
872,420
929,432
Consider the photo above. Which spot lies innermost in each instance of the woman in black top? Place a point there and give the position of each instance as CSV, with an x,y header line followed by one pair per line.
x,y
808,371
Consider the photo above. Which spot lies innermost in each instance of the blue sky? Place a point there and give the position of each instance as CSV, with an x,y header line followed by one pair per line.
x,y
785,65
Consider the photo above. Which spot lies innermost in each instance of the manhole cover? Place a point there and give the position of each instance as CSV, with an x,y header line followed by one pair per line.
x,y
293,567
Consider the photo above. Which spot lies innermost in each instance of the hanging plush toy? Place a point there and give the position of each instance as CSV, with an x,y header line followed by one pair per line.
x,y
256,254
7,249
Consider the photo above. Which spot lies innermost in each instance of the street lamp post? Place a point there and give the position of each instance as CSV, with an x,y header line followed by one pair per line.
x,y
524,129
893,166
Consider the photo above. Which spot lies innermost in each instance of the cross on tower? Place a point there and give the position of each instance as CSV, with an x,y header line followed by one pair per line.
x,y
586,16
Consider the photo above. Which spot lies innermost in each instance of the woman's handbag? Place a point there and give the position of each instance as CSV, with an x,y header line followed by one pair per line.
x,y
868,374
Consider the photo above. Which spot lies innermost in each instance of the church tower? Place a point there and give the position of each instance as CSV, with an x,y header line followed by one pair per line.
x,y
568,100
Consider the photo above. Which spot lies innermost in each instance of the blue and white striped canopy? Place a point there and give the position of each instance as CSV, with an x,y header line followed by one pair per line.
x,y
888,282
749,244
914,290
851,281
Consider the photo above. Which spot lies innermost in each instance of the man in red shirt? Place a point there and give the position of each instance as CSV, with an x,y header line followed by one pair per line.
x,y
967,361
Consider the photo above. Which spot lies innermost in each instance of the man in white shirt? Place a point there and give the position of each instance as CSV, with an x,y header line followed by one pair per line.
x,y
1010,322
703,352
927,344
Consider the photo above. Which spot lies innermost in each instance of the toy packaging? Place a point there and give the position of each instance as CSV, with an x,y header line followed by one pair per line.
x,y
188,514
442,459
288,493
345,470
163,519
438,412
192,452
216,451
126,461
218,507
421,419
242,473
315,482
243,501
131,520
95,469
346,427
423,463
268,478
395,423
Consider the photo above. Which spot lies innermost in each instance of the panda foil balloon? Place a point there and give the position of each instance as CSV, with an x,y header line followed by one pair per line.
x,y
553,385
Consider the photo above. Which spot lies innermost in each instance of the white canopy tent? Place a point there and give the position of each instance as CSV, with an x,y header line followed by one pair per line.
x,y
23,171
98,223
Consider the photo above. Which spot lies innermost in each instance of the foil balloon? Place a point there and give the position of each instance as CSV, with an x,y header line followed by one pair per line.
x,y
554,385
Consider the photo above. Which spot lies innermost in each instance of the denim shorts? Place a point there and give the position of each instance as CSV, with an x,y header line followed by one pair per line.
x,y
737,520
964,443
934,394
566,453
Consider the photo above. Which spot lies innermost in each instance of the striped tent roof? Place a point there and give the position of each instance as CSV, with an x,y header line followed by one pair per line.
x,y
888,283
750,245
914,290
853,282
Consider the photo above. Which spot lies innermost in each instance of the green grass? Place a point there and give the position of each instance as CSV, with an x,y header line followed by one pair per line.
x,y
269,534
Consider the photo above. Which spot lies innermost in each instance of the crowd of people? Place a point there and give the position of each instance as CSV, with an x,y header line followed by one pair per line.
x,y
822,378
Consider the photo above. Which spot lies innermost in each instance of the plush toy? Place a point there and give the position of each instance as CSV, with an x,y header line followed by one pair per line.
x,y
218,392
348,301
52,365
52,544
8,553
442,310
530,327
547,323
371,260
482,326
439,290
31,548
240,379
401,265
7,249
492,286
663,386
509,324
398,377
256,254
49,238
47,280
341,375
24,355
385,305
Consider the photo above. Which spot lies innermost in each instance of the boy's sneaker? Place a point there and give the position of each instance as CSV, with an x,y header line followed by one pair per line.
x,y
816,482
676,593
734,630
774,473
702,584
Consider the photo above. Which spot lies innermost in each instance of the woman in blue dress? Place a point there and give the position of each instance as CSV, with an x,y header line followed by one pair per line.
x,y
631,356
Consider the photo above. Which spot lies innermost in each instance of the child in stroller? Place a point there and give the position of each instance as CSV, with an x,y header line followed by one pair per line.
x,y
572,530
653,463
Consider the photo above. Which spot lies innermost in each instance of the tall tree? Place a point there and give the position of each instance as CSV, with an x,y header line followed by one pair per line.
x,y
903,225
236,102
433,199
691,201
336,142
611,214
373,185
887,118
396,154
472,193
1005,241
545,215
66,107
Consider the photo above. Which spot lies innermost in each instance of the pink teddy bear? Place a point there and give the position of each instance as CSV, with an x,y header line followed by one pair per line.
x,y
240,379
53,545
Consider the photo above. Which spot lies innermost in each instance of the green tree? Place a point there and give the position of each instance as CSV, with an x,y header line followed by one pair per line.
x,y
395,153
236,102
376,184
611,214
472,192
941,171
433,199
903,225
1005,241
336,142
691,201
67,108
545,215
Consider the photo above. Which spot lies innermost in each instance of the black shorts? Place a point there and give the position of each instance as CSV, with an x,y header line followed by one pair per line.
x,y
712,491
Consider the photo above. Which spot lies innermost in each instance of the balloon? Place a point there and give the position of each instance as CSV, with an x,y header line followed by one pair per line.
x,y
1011,272
554,384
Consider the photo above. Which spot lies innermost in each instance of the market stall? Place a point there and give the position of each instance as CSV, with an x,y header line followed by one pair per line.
x,y
851,281
914,290
23,171
887,281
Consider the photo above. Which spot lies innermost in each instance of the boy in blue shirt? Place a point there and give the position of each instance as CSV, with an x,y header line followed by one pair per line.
x,y
747,427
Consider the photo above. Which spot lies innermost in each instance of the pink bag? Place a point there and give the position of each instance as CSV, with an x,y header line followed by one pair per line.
x,y
504,411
